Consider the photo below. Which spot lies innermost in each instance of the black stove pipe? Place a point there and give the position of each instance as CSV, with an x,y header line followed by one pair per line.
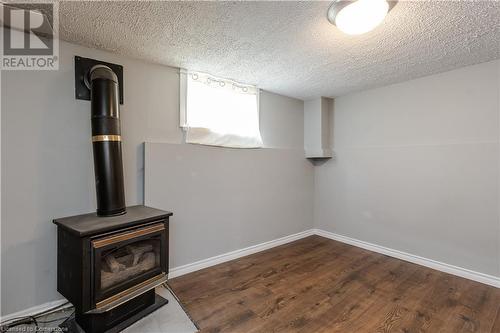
x,y
106,141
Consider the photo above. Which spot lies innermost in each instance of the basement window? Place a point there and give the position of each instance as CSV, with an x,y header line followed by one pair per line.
x,y
219,112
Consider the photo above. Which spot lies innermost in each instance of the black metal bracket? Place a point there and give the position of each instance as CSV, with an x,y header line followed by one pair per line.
x,y
82,68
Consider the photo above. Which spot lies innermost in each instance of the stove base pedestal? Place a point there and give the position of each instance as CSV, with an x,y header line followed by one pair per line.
x,y
117,319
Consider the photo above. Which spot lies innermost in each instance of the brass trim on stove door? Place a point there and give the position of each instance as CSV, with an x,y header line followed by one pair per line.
x,y
98,243
122,297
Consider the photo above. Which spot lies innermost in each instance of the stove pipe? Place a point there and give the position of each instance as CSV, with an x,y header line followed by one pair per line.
x,y
106,141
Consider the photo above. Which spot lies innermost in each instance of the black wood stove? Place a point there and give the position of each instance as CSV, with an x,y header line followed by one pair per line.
x,y
109,262
108,267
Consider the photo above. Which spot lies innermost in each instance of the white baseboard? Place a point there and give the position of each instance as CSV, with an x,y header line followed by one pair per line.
x,y
195,266
181,270
437,265
35,310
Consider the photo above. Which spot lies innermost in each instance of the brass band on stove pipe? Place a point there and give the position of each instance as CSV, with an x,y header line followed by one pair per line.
x,y
100,138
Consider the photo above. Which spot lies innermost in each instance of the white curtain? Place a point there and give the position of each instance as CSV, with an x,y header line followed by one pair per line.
x,y
221,112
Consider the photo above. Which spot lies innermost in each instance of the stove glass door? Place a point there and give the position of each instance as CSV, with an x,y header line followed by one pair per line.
x,y
126,259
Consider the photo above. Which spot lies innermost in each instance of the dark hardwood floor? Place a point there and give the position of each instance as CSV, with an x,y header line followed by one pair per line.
x,y
320,285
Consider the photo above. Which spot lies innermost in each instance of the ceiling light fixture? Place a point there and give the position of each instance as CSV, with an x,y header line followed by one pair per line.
x,y
358,16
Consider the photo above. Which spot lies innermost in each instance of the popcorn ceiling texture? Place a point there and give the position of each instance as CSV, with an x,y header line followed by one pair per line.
x,y
289,47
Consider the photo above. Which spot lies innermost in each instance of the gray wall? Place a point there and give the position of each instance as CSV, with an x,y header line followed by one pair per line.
x,y
417,168
47,168
228,199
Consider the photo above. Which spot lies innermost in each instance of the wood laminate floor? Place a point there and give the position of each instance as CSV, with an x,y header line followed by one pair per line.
x,y
320,285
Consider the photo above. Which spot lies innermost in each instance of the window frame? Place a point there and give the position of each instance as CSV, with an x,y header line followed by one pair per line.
x,y
183,95
183,73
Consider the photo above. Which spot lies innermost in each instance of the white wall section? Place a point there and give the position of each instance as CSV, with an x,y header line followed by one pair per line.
x,y
417,168
317,143
227,199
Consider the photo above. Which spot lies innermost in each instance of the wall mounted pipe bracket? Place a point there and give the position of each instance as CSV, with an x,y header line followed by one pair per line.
x,y
82,69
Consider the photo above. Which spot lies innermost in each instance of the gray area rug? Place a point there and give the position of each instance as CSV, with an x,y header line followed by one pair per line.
x,y
169,318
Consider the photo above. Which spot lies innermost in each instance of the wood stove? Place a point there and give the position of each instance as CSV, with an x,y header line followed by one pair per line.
x,y
108,267
109,262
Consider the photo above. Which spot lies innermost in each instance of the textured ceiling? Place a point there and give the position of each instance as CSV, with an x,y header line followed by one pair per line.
x,y
289,47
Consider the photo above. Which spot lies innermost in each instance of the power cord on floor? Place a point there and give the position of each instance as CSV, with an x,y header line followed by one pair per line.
x,y
32,319
56,319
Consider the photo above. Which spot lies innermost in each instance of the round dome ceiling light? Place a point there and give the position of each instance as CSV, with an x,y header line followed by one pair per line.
x,y
358,16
